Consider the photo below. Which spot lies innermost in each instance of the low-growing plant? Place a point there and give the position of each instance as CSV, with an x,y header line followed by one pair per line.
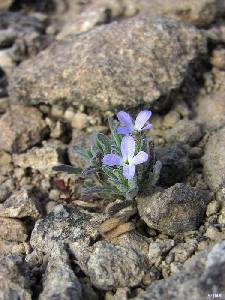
x,y
122,164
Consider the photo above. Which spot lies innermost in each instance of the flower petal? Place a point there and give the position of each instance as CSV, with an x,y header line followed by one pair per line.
x,y
128,171
125,119
140,158
127,147
147,127
124,130
112,160
142,118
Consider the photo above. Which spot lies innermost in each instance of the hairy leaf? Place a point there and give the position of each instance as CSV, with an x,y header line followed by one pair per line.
x,y
67,169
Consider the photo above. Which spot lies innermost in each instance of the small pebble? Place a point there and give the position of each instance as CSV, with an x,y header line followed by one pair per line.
x,y
69,114
195,152
50,206
218,58
176,267
214,234
221,218
6,62
212,208
5,158
54,194
57,111
79,121
202,245
171,118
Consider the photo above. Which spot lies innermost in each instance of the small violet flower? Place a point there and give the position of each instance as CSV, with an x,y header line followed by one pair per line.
x,y
128,159
128,125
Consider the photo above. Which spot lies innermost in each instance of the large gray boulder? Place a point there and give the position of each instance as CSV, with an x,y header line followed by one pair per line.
x,y
14,282
21,127
202,275
136,61
59,280
213,161
177,209
197,12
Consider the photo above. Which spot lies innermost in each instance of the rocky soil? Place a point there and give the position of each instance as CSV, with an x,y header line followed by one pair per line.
x,y
65,67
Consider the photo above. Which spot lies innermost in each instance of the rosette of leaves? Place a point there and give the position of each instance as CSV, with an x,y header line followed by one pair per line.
x,y
109,181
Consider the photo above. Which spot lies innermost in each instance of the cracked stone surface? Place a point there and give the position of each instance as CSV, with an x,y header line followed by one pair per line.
x,y
14,283
201,275
213,160
176,209
59,280
134,60
19,205
111,266
21,127
65,225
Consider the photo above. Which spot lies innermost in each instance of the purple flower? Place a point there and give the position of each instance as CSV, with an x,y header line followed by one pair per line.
x,y
128,125
128,159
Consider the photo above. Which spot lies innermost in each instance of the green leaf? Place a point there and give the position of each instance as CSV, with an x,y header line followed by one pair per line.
x,y
105,142
156,171
85,154
117,138
67,169
131,193
88,171
109,172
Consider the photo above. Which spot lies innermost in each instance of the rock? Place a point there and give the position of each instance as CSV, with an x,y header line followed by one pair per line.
x,y
184,131
5,158
136,242
65,224
216,33
82,139
214,234
7,38
5,4
196,152
79,121
121,294
124,65
213,160
159,248
109,225
119,230
210,110
121,210
111,267
171,119
6,61
59,280
12,230
14,283
79,229
6,189
183,251
41,159
3,91
20,204
177,209
221,218
200,13
176,164
91,16
212,208
21,128
201,276
8,248
29,30
218,58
